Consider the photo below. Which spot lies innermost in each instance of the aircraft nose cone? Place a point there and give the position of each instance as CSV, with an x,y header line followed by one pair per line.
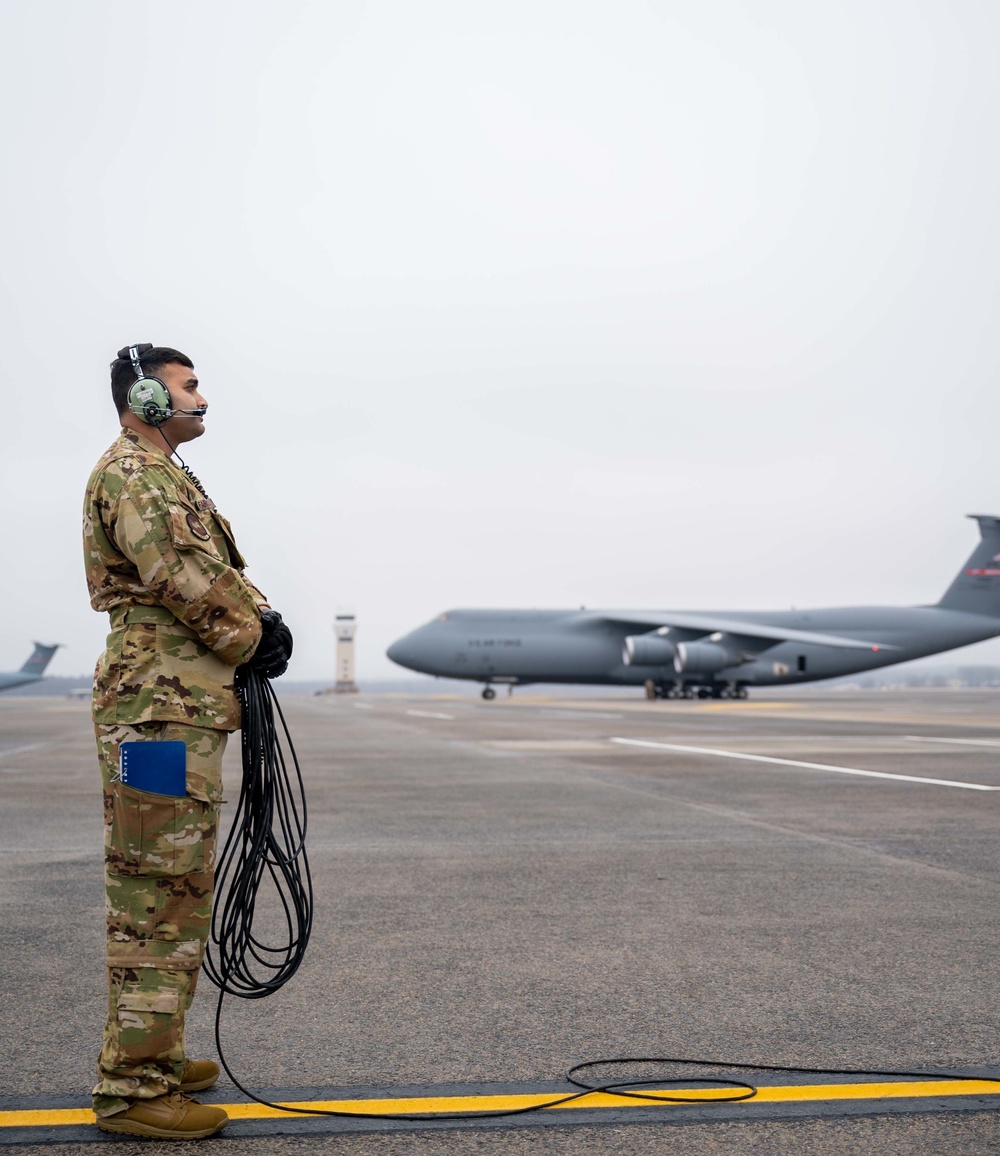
x,y
402,652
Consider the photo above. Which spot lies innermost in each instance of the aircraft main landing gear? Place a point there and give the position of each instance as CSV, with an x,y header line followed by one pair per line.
x,y
729,690
655,690
488,692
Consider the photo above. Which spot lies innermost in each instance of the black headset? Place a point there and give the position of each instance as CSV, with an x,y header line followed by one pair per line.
x,y
148,398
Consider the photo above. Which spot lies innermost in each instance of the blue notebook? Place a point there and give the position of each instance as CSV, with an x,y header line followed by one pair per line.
x,y
160,767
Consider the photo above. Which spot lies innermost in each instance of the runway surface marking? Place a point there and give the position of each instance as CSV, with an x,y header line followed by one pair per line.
x,y
432,1105
961,742
798,763
430,714
25,748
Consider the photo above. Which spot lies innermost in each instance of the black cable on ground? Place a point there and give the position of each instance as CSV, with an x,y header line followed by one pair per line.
x,y
267,843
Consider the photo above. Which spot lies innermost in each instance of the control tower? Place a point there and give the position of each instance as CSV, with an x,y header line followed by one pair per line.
x,y
344,626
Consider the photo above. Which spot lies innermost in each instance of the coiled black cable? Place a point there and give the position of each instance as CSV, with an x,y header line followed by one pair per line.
x,y
265,842
267,839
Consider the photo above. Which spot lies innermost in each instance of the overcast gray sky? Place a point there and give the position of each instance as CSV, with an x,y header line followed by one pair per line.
x,y
541,303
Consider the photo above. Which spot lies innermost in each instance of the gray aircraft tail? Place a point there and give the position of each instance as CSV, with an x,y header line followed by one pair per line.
x,y
39,660
976,589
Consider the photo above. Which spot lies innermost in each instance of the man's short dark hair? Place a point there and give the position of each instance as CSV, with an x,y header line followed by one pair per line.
x,y
123,375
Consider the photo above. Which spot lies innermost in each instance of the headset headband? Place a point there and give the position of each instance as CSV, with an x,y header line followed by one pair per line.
x,y
133,353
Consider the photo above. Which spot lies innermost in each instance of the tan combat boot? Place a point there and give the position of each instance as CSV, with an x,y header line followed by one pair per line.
x,y
172,1117
199,1075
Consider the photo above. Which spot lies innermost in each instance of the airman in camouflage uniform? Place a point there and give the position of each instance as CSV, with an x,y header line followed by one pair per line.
x,y
161,560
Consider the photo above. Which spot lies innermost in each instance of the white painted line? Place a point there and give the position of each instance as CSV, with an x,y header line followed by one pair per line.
x,y
961,742
429,714
808,766
362,706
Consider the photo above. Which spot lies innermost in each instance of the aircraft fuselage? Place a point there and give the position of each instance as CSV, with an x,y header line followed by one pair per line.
x,y
528,646
725,651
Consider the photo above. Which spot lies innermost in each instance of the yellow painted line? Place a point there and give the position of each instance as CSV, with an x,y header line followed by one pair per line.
x,y
43,1117
900,1090
795,1093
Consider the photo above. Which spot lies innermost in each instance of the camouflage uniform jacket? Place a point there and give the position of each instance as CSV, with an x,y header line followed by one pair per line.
x,y
162,561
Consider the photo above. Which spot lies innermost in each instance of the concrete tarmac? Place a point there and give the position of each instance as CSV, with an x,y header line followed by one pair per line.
x,y
504,889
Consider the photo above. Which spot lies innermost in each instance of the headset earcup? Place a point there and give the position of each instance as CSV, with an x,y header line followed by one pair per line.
x,y
149,399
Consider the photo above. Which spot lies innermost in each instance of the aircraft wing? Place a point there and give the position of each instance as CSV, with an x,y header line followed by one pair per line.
x,y
772,635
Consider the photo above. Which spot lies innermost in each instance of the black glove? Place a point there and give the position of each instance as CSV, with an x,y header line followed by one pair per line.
x,y
275,646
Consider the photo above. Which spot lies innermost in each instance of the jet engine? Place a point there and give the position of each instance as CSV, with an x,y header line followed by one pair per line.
x,y
648,650
701,658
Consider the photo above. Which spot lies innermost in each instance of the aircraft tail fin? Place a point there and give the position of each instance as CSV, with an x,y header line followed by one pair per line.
x,y
976,589
39,660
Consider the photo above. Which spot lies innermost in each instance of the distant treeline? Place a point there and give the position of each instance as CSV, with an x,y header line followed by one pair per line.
x,y
931,676
913,675
80,687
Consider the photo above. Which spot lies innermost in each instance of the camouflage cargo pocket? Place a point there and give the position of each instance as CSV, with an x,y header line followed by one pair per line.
x,y
159,835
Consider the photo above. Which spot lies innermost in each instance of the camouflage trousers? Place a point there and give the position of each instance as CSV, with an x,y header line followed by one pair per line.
x,y
159,856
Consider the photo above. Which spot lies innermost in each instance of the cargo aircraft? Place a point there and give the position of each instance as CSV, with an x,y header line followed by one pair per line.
x,y
32,670
708,654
